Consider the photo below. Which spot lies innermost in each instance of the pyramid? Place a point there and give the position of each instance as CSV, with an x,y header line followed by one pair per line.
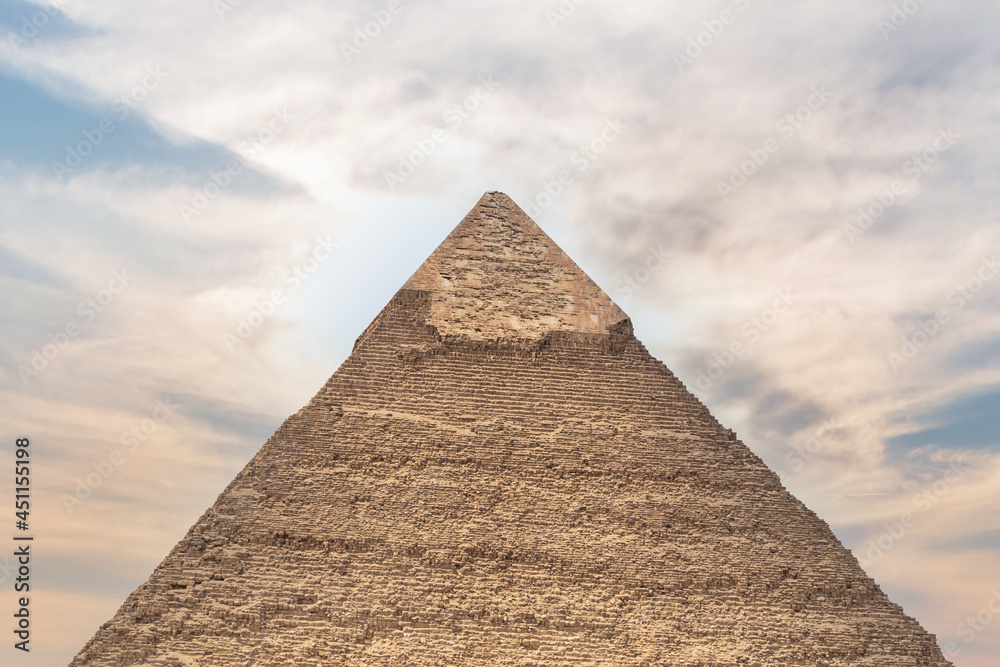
x,y
501,474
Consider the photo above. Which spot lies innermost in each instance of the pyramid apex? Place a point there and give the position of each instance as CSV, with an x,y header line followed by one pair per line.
x,y
497,275
418,505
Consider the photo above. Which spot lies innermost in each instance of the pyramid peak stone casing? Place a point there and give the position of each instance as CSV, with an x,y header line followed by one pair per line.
x,y
501,474
497,275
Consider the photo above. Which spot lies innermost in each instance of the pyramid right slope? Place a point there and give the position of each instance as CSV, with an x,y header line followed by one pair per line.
x,y
501,474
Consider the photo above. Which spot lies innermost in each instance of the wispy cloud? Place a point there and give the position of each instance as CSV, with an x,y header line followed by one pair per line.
x,y
820,118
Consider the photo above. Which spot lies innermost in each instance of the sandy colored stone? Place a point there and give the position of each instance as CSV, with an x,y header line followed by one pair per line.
x,y
497,275
501,474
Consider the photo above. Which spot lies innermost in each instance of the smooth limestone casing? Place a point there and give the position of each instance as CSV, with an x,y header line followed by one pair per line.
x,y
501,474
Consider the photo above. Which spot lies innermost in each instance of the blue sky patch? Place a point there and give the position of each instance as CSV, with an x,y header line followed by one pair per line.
x,y
28,23
971,422
62,138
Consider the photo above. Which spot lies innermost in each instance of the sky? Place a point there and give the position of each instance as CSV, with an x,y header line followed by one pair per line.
x,y
203,204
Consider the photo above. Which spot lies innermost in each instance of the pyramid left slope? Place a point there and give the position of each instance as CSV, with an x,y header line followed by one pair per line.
x,y
553,495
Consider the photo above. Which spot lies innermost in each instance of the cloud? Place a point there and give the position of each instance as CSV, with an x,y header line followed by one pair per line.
x,y
825,125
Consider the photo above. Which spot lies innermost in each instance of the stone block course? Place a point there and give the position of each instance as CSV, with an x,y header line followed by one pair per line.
x,y
501,474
